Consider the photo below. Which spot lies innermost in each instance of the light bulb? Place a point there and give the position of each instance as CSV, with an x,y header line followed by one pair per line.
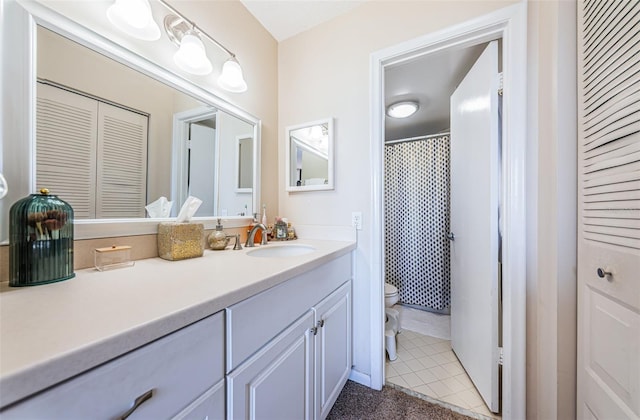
x,y
316,133
134,18
191,56
231,78
137,14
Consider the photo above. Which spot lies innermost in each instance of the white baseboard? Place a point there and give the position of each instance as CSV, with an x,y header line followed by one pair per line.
x,y
361,378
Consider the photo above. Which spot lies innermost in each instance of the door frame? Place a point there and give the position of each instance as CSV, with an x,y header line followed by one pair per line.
x,y
510,25
179,167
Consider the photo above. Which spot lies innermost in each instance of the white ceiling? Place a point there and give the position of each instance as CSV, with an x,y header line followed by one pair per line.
x,y
430,80
286,18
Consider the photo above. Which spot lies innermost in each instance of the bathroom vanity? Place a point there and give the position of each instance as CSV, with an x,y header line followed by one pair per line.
x,y
228,335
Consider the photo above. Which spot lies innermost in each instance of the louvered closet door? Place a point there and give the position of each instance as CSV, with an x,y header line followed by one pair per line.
x,y
66,147
122,163
609,210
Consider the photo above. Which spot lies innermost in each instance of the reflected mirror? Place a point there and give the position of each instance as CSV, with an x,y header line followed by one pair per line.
x,y
244,160
111,140
309,157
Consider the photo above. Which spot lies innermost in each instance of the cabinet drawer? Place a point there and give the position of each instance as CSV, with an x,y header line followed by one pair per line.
x,y
179,368
253,322
210,405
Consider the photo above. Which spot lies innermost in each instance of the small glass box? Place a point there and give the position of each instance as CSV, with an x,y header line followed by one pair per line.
x,y
113,257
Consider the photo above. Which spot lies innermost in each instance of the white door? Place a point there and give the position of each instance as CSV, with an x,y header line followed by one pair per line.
x,y
202,168
474,224
608,211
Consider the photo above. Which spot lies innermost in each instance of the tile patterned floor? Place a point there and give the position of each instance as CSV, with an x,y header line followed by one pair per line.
x,y
427,365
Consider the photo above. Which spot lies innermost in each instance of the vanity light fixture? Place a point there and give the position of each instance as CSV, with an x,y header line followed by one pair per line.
x,y
192,57
315,133
402,109
134,18
231,78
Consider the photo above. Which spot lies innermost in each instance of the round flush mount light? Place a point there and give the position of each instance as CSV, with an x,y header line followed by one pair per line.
x,y
402,109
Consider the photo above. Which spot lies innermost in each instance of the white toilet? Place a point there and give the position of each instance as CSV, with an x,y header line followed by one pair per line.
x,y
392,323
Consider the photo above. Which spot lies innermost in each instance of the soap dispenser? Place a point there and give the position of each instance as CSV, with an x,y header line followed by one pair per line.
x,y
218,239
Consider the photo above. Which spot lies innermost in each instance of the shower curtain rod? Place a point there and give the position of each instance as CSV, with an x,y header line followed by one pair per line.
x,y
430,136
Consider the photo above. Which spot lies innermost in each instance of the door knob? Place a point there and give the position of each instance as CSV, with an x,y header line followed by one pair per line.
x,y
451,236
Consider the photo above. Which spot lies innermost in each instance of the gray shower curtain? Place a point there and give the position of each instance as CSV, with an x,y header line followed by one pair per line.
x,y
416,188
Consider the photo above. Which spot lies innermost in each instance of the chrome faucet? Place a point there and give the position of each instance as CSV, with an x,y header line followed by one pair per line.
x,y
252,235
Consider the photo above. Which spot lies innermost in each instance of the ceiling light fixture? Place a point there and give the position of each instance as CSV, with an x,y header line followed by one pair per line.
x,y
402,109
186,34
134,18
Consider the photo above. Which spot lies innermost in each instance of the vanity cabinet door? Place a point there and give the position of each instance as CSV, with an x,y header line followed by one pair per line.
x,y
267,314
332,348
209,406
276,382
165,377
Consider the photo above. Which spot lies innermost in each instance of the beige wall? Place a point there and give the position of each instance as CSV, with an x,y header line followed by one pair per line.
x,y
551,210
324,72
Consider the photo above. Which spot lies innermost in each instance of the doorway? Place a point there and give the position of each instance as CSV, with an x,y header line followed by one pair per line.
x,y
201,164
441,226
195,127
508,24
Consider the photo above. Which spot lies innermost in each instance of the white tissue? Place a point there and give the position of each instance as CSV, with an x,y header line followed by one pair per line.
x,y
4,188
159,208
189,208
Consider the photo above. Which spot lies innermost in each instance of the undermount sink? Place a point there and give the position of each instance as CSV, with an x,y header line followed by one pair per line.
x,y
281,251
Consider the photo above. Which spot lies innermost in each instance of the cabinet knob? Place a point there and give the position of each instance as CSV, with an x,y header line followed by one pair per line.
x,y
321,323
604,272
137,403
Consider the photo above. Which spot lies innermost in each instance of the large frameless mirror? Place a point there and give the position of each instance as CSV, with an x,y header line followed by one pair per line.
x,y
309,156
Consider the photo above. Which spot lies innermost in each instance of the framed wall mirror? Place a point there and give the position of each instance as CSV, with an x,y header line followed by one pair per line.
x,y
309,156
142,132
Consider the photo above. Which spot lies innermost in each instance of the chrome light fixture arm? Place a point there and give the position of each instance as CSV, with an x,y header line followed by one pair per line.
x,y
175,29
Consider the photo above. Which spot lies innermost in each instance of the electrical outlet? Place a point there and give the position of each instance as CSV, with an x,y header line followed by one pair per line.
x,y
356,220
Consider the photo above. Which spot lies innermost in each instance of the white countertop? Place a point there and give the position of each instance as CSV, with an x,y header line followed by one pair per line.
x,y
52,332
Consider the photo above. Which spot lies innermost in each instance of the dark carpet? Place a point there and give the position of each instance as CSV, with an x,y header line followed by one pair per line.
x,y
359,402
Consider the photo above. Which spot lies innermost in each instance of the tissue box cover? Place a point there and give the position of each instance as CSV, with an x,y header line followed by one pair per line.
x,y
179,241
